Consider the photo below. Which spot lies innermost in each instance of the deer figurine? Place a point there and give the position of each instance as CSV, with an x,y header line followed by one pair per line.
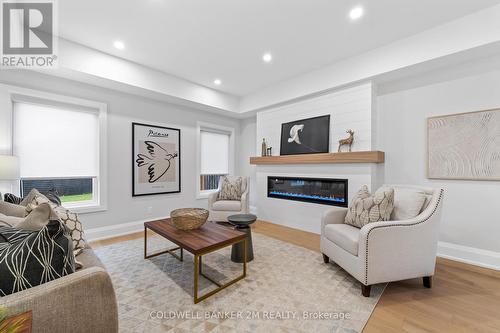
x,y
348,141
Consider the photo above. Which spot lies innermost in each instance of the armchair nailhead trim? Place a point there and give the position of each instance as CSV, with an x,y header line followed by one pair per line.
x,y
441,192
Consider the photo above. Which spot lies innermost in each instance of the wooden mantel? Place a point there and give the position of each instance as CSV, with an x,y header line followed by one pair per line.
x,y
326,158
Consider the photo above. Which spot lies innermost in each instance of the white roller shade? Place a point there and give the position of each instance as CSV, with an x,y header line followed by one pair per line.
x,y
214,153
55,141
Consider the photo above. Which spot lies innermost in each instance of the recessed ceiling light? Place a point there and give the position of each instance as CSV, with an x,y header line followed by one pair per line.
x,y
267,57
119,44
217,82
356,13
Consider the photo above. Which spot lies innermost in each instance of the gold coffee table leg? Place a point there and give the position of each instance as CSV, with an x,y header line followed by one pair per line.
x,y
171,251
198,272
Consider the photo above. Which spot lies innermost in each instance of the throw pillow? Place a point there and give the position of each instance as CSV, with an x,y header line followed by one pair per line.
x,y
70,219
231,188
53,198
11,209
11,198
30,258
34,193
37,219
407,203
366,208
72,222
9,221
36,200
27,199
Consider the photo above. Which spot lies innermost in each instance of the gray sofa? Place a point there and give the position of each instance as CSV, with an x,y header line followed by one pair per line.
x,y
83,301
80,302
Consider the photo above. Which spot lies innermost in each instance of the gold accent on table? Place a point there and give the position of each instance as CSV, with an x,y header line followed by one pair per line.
x,y
198,272
198,266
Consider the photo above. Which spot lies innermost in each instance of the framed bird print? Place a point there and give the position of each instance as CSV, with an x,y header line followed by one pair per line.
x,y
306,136
156,160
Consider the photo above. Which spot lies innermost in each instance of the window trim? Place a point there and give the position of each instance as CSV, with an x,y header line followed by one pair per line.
x,y
208,127
19,94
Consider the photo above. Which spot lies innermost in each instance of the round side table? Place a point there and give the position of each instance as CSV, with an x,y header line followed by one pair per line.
x,y
242,223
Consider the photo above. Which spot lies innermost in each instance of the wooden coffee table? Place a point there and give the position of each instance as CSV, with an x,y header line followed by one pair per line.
x,y
209,238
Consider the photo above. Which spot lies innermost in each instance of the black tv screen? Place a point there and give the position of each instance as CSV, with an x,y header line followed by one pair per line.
x,y
306,136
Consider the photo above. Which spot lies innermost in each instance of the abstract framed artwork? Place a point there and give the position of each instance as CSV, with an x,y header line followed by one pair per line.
x,y
156,160
306,136
464,146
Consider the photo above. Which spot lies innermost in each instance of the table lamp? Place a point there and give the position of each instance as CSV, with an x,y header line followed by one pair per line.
x,y
9,169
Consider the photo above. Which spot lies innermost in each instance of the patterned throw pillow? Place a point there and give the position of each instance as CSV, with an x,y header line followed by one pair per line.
x,y
231,188
366,208
70,220
30,258
11,198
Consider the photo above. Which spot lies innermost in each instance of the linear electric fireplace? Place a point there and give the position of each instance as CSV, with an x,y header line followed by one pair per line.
x,y
326,191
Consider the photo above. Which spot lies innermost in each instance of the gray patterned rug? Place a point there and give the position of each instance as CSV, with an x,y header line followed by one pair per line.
x,y
287,289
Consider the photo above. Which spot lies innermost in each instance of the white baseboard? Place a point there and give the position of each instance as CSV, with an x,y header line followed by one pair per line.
x,y
469,255
116,230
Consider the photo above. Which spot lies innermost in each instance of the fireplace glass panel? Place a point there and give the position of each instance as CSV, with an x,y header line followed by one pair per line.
x,y
318,190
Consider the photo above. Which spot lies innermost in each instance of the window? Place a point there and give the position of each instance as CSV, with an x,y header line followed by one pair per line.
x,y
69,190
214,159
215,156
58,146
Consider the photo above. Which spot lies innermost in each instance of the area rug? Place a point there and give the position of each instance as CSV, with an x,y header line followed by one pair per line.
x,y
288,289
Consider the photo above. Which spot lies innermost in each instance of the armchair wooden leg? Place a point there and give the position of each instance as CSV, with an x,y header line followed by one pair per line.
x,y
326,259
365,290
427,281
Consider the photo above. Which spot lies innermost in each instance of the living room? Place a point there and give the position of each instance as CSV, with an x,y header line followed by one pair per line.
x,y
221,166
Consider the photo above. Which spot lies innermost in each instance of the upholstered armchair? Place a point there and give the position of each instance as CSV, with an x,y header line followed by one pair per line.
x,y
221,209
386,251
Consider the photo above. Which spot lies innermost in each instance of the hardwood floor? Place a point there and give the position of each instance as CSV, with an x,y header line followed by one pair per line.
x,y
463,298
305,239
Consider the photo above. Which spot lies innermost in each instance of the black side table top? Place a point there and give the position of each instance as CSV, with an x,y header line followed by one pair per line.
x,y
242,219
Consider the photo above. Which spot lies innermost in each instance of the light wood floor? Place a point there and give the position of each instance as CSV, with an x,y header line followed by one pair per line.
x,y
464,298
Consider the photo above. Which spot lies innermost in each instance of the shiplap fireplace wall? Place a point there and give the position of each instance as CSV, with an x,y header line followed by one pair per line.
x,y
350,108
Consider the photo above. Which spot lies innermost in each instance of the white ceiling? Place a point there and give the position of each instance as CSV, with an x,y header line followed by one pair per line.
x,y
200,40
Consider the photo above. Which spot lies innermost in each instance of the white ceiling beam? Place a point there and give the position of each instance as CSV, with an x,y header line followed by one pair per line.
x,y
82,63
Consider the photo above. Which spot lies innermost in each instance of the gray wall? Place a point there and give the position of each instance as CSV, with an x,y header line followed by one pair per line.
x,y
123,109
470,216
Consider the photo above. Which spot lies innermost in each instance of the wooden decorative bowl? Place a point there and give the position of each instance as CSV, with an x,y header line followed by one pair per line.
x,y
189,218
